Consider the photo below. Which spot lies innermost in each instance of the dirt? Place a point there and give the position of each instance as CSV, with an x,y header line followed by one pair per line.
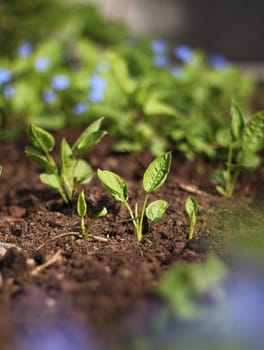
x,y
49,281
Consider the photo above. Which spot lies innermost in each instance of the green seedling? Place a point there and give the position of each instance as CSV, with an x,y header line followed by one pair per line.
x,y
191,208
188,287
244,142
71,170
82,212
154,177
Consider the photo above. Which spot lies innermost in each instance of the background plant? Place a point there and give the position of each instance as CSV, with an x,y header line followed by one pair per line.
x,y
154,177
242,142
71,170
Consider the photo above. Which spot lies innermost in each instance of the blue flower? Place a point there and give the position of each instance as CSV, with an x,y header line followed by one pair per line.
x,y
80,108
49,96
159,46
96,96
24,50
60,82
9,91
218,62
5,76
160,61
98,86
184,53
97,82
42,64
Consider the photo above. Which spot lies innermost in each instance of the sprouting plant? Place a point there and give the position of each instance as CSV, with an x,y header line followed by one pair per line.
x,y
191,208
82,211
71,170
154,177
244,141
188,287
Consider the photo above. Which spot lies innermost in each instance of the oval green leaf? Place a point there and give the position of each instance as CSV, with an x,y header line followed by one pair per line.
x,y
253,134
156,210
81,205
191,206
237,121
41,138
83,172
50,180
157,172
36,156
114,185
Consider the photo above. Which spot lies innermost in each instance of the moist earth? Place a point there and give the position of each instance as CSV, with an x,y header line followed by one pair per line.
x,y
50,278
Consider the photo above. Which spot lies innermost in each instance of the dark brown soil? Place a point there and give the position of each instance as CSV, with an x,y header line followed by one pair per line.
x,y
47,280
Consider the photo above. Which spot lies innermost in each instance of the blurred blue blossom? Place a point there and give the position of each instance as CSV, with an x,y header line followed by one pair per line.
x,y
177,72
49,96
96,96
60,82
218,62
97,82
80,108
42,64
184,53
24,50
160,61
98,86
9,91
159,46
5,76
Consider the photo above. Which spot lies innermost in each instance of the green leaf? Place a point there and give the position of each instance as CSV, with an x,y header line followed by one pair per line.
x,y
157,172
36,156
121,74
101,213
191,207
156,210
50,180
155,107
89,138
253,134
66,155
237,121
114,184
41,139
81,205
83,172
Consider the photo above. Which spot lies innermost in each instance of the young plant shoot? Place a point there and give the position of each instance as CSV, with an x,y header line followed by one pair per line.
x,y
71,170
191,208
245,140
82,211
154,177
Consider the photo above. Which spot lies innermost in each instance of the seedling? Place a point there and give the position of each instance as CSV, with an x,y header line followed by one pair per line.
x,y
154,177
70,171
82,211
188,287
245,140
191,208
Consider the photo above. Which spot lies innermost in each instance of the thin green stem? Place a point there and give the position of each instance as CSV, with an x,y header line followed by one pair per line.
x,y
135,221
140,226
233,182
83,228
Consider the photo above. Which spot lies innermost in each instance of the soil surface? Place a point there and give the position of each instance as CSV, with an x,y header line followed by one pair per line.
x,y
49,281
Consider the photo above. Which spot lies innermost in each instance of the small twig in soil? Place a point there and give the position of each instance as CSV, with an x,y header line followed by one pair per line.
x,y
190,188
54,259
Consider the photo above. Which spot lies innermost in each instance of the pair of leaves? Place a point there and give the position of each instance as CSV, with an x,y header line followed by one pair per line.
x,y
154,177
